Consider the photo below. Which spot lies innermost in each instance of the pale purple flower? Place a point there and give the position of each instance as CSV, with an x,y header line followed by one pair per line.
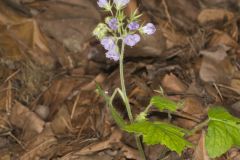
x,y
102,3
133,26
131,39
108,43
149,29
120,3
113,55
113,24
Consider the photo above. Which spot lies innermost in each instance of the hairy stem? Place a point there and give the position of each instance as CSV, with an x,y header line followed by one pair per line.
x,y
126,101
199,126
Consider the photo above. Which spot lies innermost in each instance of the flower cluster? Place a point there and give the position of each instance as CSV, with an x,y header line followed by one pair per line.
x,y
119,28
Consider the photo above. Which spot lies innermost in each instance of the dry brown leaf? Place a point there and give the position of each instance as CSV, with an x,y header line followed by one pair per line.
x,y
57,93
40,146
4,126
179,14
173,39
200,151
70,22
149,46
8,15
235,84
107,144
194,107
216,66
23,118
61,122
222,38
92,85
213,15
130,153
21,37
89,157
235,109
5,157
156,152
233,154
172,83
131,7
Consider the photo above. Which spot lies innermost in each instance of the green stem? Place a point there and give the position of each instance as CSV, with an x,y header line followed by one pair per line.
x,y
147,108
199,126
126,101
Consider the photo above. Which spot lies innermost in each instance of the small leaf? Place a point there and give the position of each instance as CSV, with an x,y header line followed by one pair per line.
x,y
223,132
164,103
141,117
102,93
160,133
116,116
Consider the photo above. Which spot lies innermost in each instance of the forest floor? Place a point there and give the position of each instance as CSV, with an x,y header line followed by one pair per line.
x,y
49,63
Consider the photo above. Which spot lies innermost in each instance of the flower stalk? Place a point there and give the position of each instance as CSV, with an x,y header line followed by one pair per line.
x,y
126,101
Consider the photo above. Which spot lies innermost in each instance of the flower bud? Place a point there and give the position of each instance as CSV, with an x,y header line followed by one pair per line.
x,y
133,26
113,23
100,31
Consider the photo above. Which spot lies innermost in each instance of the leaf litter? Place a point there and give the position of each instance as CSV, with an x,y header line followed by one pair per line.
x,y
49,63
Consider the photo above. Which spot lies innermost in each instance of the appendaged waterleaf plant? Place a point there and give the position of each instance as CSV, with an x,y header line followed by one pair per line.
x,y
118,31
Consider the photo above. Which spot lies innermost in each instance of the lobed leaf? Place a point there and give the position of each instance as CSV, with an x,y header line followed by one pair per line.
x,y
163,103
223,132
160,133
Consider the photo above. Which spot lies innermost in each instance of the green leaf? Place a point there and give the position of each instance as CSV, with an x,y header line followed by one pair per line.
x,y
117,117
163,103
160,133
102,93
221,114
223,132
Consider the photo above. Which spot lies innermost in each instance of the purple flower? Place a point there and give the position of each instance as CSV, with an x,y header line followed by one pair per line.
x,y
102,3
120,3
133,26
149,29
113,24
113,55
108,43
131,39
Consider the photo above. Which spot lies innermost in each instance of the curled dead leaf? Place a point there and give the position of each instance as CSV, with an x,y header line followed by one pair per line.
x,y
25,119
213,15
172,83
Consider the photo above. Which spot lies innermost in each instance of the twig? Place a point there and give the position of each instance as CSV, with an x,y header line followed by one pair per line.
x,y
15,138
75,105
11,76
219,92
167,13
